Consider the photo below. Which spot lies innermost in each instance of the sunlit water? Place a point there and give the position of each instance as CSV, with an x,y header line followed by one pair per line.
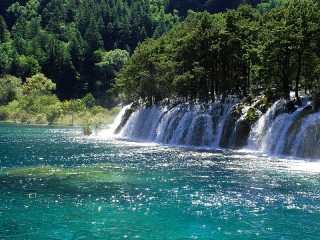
x,y
57,184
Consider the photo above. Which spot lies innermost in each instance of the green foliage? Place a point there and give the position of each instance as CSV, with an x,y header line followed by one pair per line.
x,y
34,103
59,38
26,66
9,89
7,53
148,73
82,45
290,42
89,101
41,104
267,5
113,60
196,59
38,84
4,33
87,129
108,64
235,53
11,110
73,106
86,123
53,112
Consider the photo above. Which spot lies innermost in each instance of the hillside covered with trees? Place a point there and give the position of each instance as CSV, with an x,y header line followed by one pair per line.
x,y
186,48
239,52
69,41
66,39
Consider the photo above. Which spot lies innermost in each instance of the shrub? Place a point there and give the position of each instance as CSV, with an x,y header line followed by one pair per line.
x,y
89,101
4,115
87,129
41,119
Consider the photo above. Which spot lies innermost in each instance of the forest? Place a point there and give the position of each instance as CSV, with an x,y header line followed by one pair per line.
x,y
65,40
108,51
240,52
68,41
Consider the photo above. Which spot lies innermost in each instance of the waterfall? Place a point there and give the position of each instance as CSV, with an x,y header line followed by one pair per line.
x,y
257,138
185,124
142,124
281,133
167,126
110,131
221,125
307,141
118,119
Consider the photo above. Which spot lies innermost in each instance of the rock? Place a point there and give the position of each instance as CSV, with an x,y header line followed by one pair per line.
x,y
290,107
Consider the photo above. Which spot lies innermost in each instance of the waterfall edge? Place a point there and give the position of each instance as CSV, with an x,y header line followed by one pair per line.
x,y
255,124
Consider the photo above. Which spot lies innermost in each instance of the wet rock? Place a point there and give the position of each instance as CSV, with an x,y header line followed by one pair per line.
x,y
290,107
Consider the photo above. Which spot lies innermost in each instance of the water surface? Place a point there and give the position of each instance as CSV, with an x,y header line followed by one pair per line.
x,y
57,184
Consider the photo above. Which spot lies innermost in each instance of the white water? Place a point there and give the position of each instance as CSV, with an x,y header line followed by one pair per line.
x,y
109,131
185,124
143,123
207,125
307,141
286,133
269,134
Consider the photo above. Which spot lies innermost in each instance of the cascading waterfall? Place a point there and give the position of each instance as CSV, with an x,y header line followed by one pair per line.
x,y
282,133
118,119
110,131
309,132
233,137
262,125
143,123
185,124
265,134
278,131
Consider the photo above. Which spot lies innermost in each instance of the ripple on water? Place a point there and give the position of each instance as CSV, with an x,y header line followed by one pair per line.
x,y
55,183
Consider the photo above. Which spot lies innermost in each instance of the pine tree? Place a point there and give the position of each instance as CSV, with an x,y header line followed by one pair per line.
x,y
4,33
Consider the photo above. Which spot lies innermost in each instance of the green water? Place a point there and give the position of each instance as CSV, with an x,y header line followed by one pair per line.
x,y
57,184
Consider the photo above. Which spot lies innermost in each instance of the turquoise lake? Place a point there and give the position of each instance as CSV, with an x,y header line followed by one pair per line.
x,y
57,184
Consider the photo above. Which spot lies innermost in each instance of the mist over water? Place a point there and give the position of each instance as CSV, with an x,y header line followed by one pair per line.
x,y
57,184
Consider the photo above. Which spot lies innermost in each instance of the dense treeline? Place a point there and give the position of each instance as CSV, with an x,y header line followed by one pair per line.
x,y
70,40
216,6
238,52
212,6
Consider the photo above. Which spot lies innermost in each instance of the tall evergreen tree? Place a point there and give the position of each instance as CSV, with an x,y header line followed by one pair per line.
x,y
4,33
